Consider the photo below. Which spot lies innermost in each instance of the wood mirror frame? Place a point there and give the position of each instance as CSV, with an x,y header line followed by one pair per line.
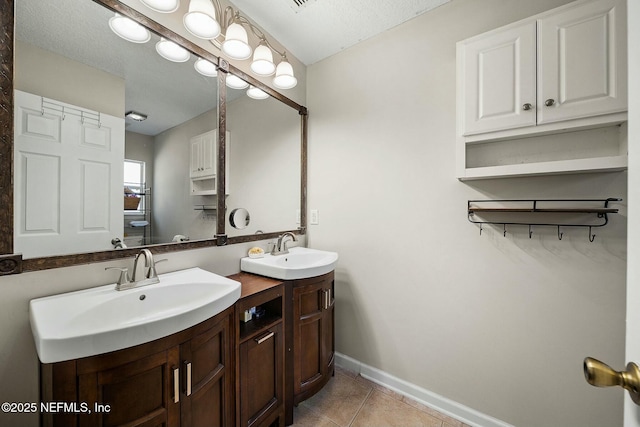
x,y
11,263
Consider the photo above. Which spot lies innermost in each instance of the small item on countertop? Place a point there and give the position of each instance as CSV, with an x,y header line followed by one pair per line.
x,y
256,252
246,316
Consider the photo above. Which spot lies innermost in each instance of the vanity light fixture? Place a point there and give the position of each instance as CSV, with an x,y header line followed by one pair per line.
x,y
205,68
256,93
172,51
129,29
201,20
162,6
138,117
262,64
225,28
284,78
236,40
235,82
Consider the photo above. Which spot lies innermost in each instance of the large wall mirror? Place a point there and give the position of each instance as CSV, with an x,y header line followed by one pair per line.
x,y
74,76
264,163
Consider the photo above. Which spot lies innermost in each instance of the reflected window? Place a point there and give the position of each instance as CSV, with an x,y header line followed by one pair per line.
x,y
134,185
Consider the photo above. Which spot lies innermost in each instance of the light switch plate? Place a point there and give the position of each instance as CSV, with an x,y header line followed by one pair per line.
x,y
315,220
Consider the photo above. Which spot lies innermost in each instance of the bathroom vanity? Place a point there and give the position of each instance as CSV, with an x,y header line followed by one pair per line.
x,y
184,379
223,371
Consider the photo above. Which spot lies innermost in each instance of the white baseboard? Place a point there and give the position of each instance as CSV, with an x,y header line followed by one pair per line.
x,y
439,403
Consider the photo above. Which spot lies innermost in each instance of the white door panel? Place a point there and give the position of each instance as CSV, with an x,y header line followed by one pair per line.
x,y
69,168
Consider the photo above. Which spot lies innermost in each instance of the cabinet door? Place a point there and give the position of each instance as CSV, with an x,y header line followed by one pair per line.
x,y
582,62
309,325
261,376
496,77
328,336
208,159
196,157
207,385
139,393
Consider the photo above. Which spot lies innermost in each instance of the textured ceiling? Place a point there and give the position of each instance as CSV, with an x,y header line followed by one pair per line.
x,y
169,93
320,28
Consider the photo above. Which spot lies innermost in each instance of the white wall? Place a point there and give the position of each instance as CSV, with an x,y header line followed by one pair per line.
x,y
173,204
498,324
47,74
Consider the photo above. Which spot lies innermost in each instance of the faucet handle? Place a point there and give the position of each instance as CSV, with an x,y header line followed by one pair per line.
x,y
152,268
124,275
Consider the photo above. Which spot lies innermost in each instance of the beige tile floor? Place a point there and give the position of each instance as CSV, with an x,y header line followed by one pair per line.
x,y
348,400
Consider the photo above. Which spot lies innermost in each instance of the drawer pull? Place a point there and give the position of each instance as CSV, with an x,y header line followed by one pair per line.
x,y
264,338
176,385
188,378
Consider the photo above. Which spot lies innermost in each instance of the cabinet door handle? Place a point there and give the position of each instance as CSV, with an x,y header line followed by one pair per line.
x,y
264,338
527,107
549,102
176,385
188,378
326,299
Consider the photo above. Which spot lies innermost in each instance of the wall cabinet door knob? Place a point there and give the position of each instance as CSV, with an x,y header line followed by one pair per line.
x,y
549,102
527,107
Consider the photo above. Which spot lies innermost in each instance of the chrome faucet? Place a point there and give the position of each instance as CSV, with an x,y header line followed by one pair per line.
x,y
280,248
150,277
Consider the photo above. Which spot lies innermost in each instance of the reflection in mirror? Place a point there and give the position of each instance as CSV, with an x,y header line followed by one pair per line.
x,y
67,55
239,218
264,167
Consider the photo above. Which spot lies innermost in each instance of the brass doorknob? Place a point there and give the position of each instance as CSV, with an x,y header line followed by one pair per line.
x,y
601,375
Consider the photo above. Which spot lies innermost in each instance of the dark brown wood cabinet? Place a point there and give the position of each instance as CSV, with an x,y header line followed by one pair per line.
x,y
221,372
311,356
184,379
260,353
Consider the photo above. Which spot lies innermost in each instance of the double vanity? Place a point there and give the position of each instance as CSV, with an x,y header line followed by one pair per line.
x,y
194,348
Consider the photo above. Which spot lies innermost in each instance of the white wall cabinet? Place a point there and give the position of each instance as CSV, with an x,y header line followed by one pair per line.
x,y
563,70
499,78
203,155
204,163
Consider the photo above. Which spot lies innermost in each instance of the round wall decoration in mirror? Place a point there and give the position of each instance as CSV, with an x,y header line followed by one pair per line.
x,y
239,218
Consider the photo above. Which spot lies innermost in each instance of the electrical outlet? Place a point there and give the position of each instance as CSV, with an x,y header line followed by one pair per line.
x,y
315,220
298,216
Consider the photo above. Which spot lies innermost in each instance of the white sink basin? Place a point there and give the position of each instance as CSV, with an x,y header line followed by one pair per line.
x,y
299,263
99,320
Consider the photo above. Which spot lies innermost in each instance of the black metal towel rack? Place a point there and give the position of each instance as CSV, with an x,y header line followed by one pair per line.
x,y
531,206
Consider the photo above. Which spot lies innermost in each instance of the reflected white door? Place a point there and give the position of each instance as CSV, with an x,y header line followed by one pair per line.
x,y
68,194
632,411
